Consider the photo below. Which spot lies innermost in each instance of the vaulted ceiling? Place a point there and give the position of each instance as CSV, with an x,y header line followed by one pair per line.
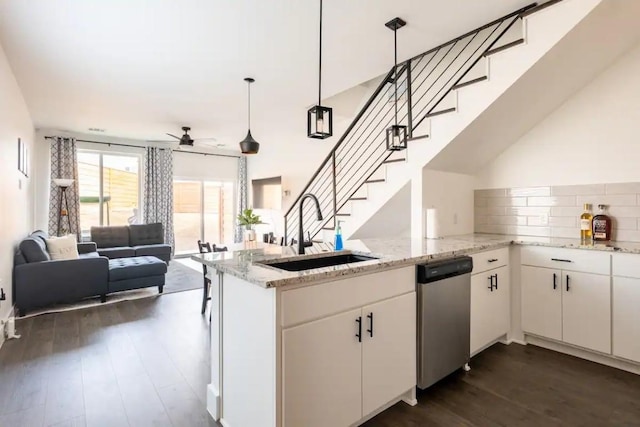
x,y
141,68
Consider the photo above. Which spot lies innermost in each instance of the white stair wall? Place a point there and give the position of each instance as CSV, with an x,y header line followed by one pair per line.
x,y
543,31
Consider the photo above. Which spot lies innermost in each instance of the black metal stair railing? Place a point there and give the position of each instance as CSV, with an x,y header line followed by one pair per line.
x,y
424,82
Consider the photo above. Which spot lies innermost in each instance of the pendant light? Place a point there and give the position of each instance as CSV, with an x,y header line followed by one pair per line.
x,y
249,145
396,134
319,118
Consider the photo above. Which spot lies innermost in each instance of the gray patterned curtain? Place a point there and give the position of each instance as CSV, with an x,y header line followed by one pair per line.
x,y
242,195
64,165
158,190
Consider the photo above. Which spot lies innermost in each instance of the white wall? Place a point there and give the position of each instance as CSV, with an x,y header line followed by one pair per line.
x,y
16,216
592,138
451,194
185,166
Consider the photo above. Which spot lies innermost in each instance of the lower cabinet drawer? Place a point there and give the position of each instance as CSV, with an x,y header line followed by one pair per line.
x,y
484,261
582,260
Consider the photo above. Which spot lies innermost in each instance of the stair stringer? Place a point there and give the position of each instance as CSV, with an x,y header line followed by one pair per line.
x,y
554,24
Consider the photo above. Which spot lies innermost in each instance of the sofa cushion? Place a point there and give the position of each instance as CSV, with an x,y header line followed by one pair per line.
x,y
111,236
34,249
117,252
132,268
162,251
89,255
146,234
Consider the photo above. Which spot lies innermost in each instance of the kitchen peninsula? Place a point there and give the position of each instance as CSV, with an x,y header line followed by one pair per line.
x,y
336,345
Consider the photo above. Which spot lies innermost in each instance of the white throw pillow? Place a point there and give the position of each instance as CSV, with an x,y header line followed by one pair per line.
x,y
64,247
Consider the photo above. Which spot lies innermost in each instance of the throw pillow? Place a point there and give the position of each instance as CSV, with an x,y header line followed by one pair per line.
x,y
62,247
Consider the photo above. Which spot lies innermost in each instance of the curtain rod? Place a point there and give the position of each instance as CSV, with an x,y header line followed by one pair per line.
x,y
143,147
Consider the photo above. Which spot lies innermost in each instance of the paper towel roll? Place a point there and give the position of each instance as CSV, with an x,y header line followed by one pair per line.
x,y
432,225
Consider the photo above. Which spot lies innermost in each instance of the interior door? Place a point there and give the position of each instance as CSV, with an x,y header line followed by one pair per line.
x,y
388,350
542,301
330,394
586,310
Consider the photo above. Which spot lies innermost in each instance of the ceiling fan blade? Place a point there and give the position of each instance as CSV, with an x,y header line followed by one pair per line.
x,y
173,136
206,139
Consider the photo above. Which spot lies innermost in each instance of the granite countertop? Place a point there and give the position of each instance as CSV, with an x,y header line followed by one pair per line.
x,y
250,261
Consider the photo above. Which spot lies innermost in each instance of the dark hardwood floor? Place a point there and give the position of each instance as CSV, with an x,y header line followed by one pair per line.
x,y
146,362
524,386
133,363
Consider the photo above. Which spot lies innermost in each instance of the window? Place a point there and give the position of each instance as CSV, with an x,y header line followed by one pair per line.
x,y
109,187
203,210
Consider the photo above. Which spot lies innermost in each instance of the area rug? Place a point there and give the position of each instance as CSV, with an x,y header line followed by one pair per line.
x,y
179,278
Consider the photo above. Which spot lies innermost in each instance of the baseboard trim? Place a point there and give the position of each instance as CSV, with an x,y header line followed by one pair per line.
x,y
4,325
513,340
213,402
409,397
603,359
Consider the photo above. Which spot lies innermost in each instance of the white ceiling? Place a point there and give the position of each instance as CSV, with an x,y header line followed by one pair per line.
x,y
145,67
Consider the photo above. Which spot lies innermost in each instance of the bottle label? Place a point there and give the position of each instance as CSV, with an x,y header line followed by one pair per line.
x,y
585,225
599,229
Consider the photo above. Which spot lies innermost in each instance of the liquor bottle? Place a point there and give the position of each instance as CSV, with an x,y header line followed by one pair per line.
x,y
601,225
585,224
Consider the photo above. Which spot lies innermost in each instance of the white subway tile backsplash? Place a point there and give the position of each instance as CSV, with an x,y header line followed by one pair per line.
x,y
499,192
507,201
554,211
529,191
577,190
616,200
622,188
552,201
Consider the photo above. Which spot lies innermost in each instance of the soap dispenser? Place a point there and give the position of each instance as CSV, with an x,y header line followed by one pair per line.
x,y
337,243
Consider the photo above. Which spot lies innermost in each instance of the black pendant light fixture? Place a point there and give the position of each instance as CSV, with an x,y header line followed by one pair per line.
x,y
249,145
319,118
396,134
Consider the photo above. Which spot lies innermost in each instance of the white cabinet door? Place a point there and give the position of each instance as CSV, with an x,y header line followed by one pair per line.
x,y
626,318
322,372
388,351
586,310
489,307
541,301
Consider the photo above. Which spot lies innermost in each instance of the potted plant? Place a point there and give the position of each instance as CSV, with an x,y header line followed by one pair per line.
x,y
248,219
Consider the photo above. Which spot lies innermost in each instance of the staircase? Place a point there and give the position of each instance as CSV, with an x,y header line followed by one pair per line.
x,y
359,175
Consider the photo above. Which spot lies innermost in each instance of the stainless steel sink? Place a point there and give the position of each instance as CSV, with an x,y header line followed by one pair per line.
x,y
326,261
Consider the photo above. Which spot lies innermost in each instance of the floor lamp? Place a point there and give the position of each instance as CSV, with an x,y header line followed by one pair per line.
x,y
63,212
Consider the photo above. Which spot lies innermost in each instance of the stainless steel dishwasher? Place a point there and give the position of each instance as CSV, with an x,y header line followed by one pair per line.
x,y
444,304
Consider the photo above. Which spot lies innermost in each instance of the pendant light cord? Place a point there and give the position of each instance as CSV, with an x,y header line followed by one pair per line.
x,y
395,80
320,60
249,106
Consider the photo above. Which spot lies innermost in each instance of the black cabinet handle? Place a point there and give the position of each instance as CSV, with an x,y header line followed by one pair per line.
x,y
359,334
493,260
567,283
561,260
370,330
555,281
490,283
496,281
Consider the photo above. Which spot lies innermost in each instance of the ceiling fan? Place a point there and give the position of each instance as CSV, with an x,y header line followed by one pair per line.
x,y
186,140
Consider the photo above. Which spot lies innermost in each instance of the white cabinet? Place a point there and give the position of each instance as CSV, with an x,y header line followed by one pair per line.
x,y
564,304
322,376
541,301
339,368
626,306
388,351
626,317
489,299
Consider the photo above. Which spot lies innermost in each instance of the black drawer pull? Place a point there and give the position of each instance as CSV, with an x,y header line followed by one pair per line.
x,y
370,330
359,334
492,260
561,260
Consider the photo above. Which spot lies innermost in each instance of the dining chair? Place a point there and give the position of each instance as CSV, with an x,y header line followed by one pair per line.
x,y
206,247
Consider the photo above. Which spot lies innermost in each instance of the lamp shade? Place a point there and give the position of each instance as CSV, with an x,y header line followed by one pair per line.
x,y
249,145
320,122
63,182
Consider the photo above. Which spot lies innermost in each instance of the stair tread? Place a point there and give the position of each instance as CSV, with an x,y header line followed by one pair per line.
x,y
393,161
328,228
358,198
504,47
343,214
374,181
470,82
415,138
445,111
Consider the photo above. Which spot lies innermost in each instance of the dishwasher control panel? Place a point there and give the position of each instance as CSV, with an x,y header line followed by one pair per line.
x,y
439,270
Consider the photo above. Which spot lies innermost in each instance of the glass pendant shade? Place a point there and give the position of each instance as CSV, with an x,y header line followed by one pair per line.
x,y
319,122
396,138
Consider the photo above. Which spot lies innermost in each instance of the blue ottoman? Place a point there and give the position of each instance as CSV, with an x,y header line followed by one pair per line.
x,y
135,273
